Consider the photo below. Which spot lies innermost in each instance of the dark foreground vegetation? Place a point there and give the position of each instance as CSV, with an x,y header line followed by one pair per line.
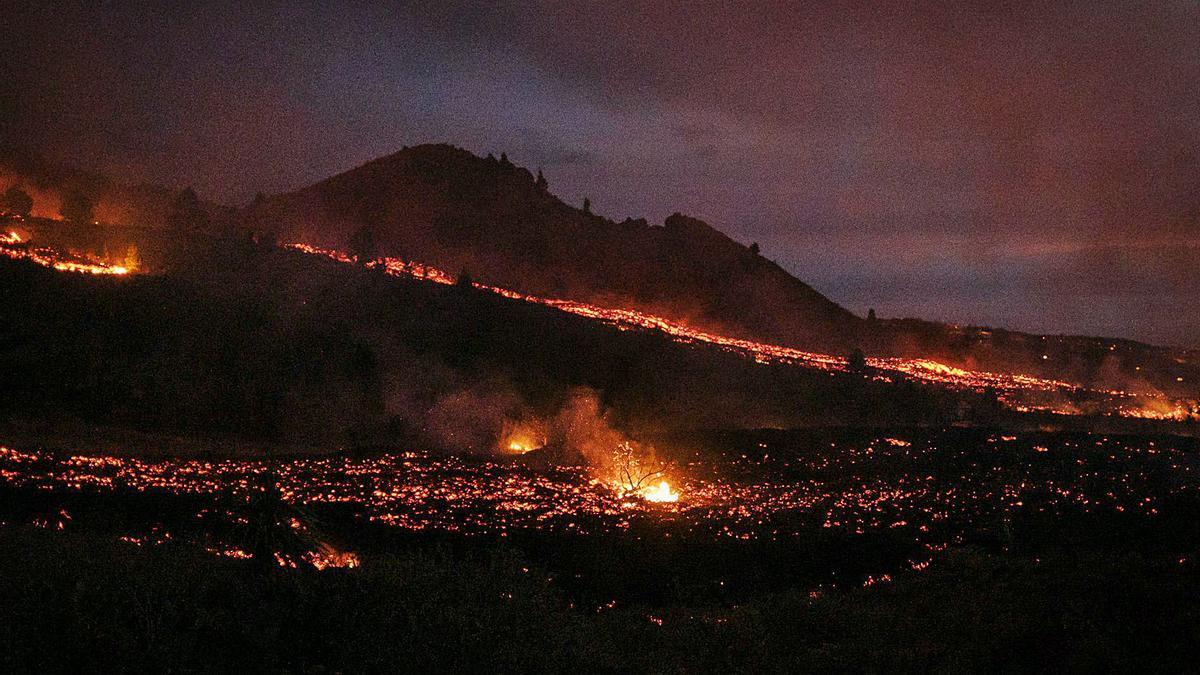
x,y
72,602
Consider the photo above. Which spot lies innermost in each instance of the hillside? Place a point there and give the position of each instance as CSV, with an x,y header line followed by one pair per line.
x,y
444,206
441,205
272,345
113,202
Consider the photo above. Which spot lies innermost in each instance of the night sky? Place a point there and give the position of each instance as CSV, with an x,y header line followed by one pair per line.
x,y
1027,165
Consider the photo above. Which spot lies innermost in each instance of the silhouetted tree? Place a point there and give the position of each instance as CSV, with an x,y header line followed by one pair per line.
x,y
754,248
363,246
464,280
587,205
186,212
541,182
504,159
871,314
635,470
18,201
857,361
76,208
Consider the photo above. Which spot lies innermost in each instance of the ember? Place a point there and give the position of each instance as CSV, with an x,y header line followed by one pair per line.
x,y
839,486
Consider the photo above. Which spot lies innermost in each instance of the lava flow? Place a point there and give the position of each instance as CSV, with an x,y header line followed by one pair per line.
x,y
13,246
1009,387
1013,390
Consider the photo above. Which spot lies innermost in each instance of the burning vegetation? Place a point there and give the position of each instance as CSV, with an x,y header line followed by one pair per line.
x,y
640,476
17,247
524,436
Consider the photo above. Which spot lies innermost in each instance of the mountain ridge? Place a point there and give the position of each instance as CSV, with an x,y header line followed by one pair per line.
x,y
502,225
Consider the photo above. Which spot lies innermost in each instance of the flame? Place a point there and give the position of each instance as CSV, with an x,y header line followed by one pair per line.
x,y
522,437
661,493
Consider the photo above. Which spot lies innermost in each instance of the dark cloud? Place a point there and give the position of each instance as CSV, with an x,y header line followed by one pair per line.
x,y
1025,164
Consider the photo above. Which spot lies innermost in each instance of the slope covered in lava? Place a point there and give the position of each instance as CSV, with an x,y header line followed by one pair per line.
x,y
274,344
454,210
500,223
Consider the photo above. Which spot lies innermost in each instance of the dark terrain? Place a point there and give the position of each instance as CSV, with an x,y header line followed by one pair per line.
x,y
177,445
273,345
960,551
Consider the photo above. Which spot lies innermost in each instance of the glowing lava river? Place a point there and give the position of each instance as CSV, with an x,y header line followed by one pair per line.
x,y
1019,392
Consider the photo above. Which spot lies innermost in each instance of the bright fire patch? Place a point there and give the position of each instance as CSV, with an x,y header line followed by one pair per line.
x,y
660,493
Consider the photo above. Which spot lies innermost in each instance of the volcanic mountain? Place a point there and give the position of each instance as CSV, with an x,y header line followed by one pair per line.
x,y
497,222
444,206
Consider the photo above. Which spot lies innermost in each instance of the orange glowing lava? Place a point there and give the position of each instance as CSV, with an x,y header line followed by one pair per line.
x,y
661,493
10,246
1022,393
1009,387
